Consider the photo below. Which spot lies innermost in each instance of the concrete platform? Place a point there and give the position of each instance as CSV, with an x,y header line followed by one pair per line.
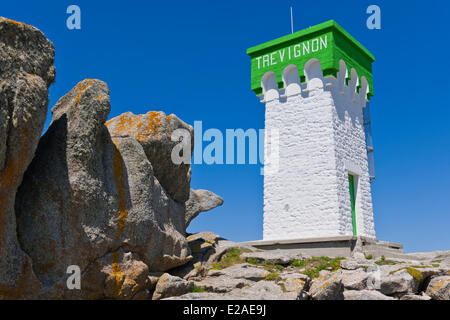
x,y
338,246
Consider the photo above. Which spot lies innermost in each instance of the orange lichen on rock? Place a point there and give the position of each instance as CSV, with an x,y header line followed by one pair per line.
x,y
437,285
153,125
140,126
117,273
16,22
119,178
81,87
123,124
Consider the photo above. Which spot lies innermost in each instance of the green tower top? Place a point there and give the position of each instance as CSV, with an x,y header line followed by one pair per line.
x,y
328,42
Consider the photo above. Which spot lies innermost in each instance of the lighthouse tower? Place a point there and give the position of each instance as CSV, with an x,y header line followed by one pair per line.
x,y
316,85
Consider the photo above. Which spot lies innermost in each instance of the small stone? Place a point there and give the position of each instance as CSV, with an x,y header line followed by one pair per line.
x,y
353,264
327,287
198,296
241,271
365,295
169,286
262,290
281,257
222,284
398,283
415,297
439,288
354,279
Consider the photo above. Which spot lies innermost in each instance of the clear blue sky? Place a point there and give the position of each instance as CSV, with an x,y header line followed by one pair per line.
x,y
188,58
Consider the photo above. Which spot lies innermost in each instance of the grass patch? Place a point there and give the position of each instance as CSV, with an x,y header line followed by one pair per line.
x,y
437,261
435,265
312,273
369,257
316,264
272,277
283,287
312,265
383,262
279,267
229,259
416,274
199,289
253,261
266,265
296,263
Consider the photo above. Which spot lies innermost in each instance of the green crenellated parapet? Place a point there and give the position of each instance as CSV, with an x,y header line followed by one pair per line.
x,y
328,42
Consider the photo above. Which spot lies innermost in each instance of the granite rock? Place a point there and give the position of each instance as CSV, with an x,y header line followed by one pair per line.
x,y
26,72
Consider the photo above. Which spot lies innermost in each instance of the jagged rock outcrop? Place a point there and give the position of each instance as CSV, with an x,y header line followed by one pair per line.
x,y
109,200
200,201
26,72
153,131
89,198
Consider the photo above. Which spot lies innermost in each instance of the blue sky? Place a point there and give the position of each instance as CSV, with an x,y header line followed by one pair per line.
x,y
189,58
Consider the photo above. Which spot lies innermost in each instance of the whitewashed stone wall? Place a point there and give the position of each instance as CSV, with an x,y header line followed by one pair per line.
x,y
321,140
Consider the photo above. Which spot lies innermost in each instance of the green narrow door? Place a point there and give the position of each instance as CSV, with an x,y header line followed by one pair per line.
x,y
351,186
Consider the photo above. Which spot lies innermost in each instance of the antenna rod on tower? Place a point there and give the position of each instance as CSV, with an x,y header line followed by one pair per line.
x,y
292,22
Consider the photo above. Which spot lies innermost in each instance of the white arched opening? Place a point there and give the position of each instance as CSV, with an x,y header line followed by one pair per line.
x,y
342,76
354,81
364,90
291,80
313,74
270,86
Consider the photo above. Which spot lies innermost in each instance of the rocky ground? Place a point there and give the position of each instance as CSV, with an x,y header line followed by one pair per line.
x,y
222,270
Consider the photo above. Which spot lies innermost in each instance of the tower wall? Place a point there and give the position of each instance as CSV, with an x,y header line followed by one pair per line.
x,y
351,152
321,140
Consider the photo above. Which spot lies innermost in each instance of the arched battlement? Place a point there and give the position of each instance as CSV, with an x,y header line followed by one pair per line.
x,y
345,82
342,76
353,81
270,86
313,74
314,78
291,80
328,42
364,90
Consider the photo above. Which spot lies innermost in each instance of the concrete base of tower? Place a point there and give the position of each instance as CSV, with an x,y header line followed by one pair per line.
x,y
338,246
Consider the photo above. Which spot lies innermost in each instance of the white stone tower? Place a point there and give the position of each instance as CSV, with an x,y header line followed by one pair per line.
x,y
315,84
